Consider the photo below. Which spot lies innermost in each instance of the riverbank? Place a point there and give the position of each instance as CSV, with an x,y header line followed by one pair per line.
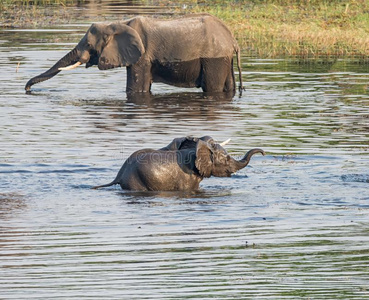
x,y
42,13
265,29
303,29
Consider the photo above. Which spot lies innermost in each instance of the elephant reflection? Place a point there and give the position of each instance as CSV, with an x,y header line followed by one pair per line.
x,y
172,109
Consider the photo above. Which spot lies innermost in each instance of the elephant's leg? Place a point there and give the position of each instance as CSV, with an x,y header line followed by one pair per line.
x,y
139,77
230,84
217,75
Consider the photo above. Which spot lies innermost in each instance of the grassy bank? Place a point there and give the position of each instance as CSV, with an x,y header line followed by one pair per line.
x,y
305,29
34,13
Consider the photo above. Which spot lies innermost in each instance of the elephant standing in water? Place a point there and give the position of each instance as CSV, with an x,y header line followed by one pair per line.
x,y
192,51
180,166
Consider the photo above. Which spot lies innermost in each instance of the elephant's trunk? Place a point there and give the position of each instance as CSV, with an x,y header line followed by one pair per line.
x,y
243,162
69,59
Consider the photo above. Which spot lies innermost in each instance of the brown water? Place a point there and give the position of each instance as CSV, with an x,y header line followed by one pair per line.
x,y
293,225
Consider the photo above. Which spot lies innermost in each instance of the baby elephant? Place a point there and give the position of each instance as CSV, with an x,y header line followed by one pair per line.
x,y
180,166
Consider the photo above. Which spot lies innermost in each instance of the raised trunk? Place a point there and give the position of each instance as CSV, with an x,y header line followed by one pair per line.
x,y
71,58
240,164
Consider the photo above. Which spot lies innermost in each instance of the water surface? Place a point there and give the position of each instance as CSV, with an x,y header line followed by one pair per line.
x,y
294,224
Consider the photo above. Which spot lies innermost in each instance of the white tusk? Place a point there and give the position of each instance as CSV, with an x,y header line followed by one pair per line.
x,y
71,67
225,142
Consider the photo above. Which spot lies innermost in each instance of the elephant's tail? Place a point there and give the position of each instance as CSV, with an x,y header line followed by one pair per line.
x,y
104,185
238,53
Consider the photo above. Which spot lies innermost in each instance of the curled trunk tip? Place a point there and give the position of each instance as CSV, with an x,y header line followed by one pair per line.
x,y
256,150
242,163
250,153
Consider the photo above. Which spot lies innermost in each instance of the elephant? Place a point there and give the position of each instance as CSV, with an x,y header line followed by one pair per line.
x,y
191,51
179,166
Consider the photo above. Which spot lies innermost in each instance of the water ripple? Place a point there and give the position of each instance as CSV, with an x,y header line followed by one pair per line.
x,y
294,224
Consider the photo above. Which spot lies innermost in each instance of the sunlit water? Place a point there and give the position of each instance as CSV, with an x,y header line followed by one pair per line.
x,y
294,224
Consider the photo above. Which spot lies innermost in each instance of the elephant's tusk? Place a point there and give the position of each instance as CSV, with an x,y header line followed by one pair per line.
x,y
225,142
71,67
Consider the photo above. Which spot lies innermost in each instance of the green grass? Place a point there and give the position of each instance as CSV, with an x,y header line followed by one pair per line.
x,y
36,2
303,29
35,13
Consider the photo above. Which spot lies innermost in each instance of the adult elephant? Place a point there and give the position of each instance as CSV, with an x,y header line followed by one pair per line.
x,y
180,166
192,51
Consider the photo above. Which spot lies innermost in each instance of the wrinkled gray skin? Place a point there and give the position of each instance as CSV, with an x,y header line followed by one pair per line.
x,y
191,51
180,166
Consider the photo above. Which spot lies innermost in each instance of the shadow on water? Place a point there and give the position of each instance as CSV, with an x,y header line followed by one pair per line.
x,y
201,196
182,105
355,178
190,101
176,111
184,98
11,203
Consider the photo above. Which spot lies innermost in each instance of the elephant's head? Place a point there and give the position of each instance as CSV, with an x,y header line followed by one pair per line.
x,y
213,160
105,45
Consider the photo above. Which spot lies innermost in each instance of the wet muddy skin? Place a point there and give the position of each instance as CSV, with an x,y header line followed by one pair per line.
x,y
292,224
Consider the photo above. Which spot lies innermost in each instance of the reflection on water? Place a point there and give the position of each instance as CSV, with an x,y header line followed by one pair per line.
x,y
10,204
294,224
355,177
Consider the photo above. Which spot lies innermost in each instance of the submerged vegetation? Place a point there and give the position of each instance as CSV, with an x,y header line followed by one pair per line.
x,y
305,29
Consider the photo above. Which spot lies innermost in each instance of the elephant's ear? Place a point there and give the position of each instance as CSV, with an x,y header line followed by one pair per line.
x,y
204,159
123,47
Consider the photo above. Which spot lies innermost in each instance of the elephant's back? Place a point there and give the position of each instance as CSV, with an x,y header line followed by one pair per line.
x,y
187,38
165,171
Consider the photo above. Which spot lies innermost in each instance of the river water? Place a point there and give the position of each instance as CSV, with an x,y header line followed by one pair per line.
x,y
292,225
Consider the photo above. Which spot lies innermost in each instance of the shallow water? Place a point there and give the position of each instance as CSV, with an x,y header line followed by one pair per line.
x,y
294,224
